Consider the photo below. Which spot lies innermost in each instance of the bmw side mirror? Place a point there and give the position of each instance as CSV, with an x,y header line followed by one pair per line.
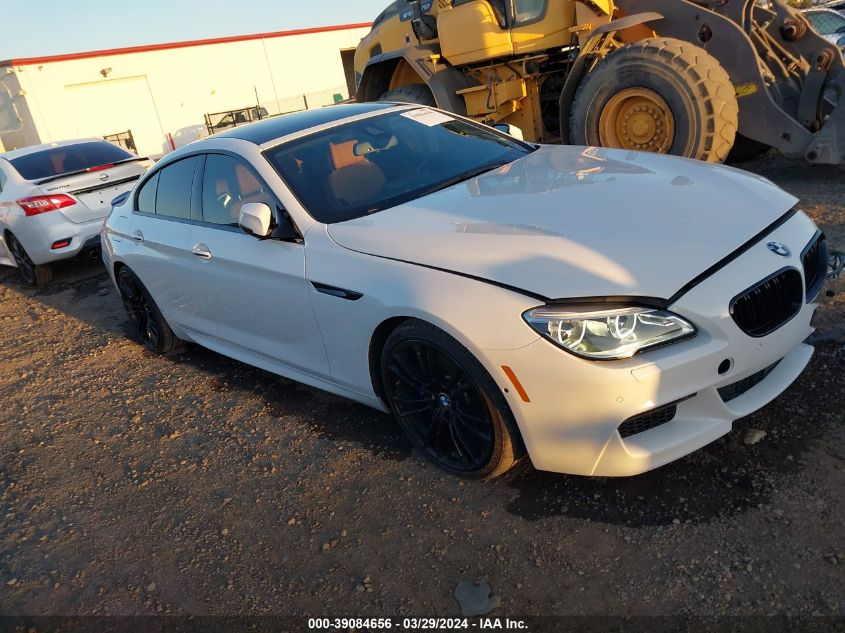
x,y
256,219
285,231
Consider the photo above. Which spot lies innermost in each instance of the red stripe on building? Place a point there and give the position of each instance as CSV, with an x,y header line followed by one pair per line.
x,y
29,61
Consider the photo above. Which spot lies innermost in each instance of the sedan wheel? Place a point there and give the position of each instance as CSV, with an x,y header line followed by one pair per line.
x,y
447,404
144,314
33,274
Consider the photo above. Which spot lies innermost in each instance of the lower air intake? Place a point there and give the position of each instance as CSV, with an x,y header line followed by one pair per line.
x,y
736,389
650,419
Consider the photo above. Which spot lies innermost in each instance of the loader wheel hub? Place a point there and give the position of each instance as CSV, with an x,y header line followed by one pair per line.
x,y
637,119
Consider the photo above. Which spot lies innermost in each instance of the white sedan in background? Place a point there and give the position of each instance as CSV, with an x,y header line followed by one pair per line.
x,y
829,24
53,199
603,311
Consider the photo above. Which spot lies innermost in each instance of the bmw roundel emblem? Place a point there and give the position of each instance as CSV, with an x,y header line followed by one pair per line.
x,y
778,249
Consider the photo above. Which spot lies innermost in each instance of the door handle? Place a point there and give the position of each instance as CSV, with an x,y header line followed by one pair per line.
x,y
201,251
136,236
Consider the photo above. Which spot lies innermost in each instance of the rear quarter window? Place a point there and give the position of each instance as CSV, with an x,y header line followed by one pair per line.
x,y
147,196
55,161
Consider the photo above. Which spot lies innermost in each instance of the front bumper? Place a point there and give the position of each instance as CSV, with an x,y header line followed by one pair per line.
x,y
571,423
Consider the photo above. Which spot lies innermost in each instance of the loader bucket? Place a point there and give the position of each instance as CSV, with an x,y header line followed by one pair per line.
x,y
789,80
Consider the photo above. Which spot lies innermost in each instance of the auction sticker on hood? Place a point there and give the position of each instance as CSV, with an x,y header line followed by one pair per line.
x,y
427,117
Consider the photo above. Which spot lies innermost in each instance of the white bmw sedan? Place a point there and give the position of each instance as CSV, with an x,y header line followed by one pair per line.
x,y
53,199
603,311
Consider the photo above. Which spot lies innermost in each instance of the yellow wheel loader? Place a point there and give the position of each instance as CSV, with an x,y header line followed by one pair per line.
x,y
714,80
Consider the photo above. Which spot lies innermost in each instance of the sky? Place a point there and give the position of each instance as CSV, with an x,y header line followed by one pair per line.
x,y
53,27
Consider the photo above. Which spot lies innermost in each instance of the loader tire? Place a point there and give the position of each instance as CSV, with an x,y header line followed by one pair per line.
x,y
412,93
660,95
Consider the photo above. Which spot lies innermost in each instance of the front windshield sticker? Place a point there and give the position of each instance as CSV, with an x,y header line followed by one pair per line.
x,y
427,117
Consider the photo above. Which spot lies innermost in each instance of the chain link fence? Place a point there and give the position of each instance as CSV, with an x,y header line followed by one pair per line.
x,y
306,101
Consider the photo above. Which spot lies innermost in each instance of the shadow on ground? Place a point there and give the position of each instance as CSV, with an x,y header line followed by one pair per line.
x,y
330,417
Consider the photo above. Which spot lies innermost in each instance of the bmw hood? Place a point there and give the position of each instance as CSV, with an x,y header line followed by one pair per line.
x,y
577,222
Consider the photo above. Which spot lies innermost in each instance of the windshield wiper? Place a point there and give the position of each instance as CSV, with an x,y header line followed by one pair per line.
x,y
467,175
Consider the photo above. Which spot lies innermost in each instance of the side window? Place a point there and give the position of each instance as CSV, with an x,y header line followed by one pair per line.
x,y
526,11
228,184
2,180
175,185
147,196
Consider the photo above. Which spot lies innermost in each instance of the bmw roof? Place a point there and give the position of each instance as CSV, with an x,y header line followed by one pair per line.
x,y
270,129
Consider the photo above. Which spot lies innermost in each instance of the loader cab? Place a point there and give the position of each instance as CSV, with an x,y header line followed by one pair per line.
x,y
472,31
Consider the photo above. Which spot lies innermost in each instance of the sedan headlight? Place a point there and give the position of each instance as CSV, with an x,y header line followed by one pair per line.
x,y
606,334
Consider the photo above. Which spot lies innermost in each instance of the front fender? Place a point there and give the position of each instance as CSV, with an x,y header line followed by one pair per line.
x,y
476,314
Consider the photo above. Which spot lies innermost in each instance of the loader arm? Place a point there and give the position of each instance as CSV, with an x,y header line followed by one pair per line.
x,y
790,81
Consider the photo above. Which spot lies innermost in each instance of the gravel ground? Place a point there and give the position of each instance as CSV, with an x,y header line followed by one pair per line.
x,y
136,484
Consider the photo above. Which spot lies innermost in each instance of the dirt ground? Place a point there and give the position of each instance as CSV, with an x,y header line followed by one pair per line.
x,y
193,484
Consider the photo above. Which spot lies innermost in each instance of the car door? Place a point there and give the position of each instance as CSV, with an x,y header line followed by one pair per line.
x,y
158,240
255,288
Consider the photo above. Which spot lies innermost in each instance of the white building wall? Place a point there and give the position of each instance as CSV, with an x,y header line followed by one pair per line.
x,y
167,92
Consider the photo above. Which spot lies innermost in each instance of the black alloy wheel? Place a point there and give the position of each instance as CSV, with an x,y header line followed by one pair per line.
x,y
33,274
143,313
447,404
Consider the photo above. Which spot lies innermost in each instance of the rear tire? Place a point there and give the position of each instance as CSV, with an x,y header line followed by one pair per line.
x,y
447,404
35,275
412,93
144,315
660,94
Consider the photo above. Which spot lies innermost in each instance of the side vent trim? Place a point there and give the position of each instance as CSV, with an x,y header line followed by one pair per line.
x,y
334,291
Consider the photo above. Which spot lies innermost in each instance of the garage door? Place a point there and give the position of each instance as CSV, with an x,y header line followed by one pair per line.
x,y
116,105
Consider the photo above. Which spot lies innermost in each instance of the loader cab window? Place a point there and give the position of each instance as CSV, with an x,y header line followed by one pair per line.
x,y
528,11
524,11
391,11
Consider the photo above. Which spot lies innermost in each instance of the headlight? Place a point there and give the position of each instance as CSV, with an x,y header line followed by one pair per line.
x,y
608,334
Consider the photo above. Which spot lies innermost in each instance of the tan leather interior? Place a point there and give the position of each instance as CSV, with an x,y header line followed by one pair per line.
x,y
245,188
247,183
357,183
343,154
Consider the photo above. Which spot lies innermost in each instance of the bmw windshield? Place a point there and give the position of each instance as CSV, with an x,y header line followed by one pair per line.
x,y
366,166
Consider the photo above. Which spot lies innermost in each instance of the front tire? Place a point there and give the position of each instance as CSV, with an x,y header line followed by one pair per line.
x,y
144,315
447,404
660,95
33,274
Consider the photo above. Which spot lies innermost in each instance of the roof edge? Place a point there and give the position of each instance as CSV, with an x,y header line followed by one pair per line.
x,y
29,61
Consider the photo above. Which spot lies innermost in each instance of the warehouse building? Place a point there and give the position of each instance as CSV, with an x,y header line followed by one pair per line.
x,y
154,98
